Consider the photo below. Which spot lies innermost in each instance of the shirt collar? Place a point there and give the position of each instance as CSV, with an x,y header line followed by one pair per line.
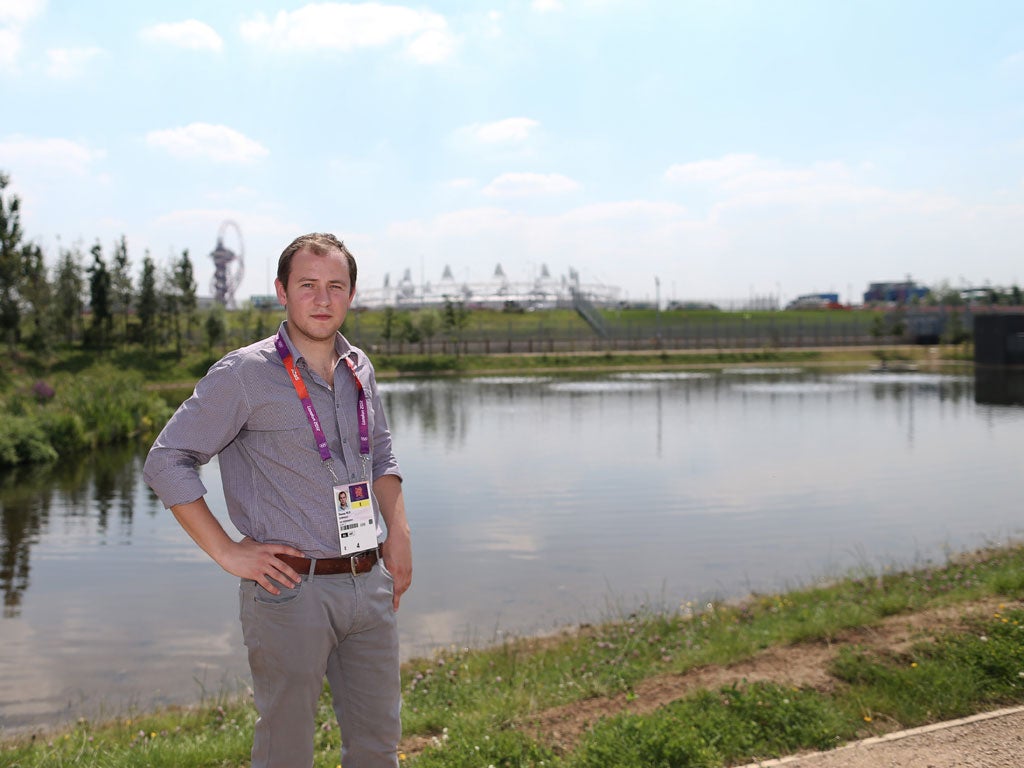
x,y
341,346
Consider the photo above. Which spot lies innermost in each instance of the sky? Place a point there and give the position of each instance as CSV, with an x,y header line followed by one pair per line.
x,y
675,149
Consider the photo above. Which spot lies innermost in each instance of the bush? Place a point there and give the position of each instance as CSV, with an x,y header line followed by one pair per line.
x,y
97,407
23,439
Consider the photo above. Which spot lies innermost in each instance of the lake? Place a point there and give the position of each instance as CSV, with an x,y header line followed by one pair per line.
x,y
536,504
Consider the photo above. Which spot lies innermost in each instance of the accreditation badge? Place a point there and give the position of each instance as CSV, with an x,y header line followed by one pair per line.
x,y
354,510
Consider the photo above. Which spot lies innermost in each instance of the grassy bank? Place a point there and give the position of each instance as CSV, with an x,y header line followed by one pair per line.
x,y
710,685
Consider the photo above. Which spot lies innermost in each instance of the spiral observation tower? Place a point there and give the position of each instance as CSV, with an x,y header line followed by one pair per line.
x,y
228,266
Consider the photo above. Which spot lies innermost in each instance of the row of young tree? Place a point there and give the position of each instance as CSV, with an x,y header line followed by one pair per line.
x,y
95,301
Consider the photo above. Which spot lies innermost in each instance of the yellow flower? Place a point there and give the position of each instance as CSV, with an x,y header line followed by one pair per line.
x,y
914,665
867,718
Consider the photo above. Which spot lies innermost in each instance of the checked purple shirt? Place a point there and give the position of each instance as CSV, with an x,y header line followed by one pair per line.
x,y
276,486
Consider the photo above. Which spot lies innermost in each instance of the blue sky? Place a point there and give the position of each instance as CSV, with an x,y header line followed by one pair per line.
x,y
721,147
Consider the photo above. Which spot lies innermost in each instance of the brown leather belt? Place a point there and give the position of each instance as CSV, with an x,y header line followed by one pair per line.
x,y
358,563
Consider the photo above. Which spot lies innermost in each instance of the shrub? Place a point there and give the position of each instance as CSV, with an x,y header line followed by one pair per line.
x,y
23,439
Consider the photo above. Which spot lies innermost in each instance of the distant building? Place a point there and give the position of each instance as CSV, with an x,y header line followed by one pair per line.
x,y
894,293
815,301
265,301
999,339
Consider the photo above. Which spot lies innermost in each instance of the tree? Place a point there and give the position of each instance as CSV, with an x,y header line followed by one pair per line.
x,y
38,295
429,321
68,293
121,284
99,299
388,331
10,263
453,320
170,308
148,304
216,329
185,285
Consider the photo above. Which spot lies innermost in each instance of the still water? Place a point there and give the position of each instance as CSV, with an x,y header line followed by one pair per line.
x,y
536,503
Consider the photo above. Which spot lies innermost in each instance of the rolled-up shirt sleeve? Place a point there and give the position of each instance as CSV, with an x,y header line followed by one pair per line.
x,y
200,429
384,461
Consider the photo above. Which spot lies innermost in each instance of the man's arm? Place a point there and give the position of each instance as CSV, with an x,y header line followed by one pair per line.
x,y
246,558
398,545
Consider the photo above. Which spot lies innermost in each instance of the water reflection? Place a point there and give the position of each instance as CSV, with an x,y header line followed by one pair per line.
x,y
536,503
94,492
999,386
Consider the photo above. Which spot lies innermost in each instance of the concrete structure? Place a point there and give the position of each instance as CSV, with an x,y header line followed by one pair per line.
x,y
542,292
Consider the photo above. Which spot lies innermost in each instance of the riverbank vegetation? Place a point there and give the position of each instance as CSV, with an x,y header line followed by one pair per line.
x,y
691,685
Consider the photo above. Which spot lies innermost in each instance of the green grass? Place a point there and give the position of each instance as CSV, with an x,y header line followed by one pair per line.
x,y
478,706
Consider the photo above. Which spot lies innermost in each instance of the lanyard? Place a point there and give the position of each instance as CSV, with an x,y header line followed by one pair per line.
x,y
311,415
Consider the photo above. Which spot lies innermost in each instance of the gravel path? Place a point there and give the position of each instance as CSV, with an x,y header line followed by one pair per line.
x,y
990,740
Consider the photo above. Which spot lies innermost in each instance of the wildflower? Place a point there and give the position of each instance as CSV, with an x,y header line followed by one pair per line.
x,y
42,391
867,718
401,757
913,665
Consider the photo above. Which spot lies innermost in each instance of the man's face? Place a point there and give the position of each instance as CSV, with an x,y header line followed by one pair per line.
x,y
317,296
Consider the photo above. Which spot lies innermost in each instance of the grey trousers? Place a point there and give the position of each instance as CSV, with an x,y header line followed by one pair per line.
x,y
339,626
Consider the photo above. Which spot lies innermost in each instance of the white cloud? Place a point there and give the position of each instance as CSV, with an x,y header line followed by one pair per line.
x,y
66,63
546,6
512,130
14,16
190,33
530,184
722,169
750,178
19,12
212,142
346,27
62,155
10,45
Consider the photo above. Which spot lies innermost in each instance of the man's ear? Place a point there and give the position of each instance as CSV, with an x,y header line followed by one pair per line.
x,y
282,295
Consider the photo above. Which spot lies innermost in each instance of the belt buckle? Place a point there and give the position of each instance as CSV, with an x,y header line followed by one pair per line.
x,y
352,563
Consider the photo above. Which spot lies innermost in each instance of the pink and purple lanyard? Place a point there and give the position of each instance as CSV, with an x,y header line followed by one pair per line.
x,y
314,420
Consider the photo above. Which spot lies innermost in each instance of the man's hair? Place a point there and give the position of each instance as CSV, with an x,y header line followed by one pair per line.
x,y
319,243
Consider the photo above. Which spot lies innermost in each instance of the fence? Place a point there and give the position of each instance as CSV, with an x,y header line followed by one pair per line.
x,y
726,332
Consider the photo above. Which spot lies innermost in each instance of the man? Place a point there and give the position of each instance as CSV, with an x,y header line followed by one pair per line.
x,y
296,420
